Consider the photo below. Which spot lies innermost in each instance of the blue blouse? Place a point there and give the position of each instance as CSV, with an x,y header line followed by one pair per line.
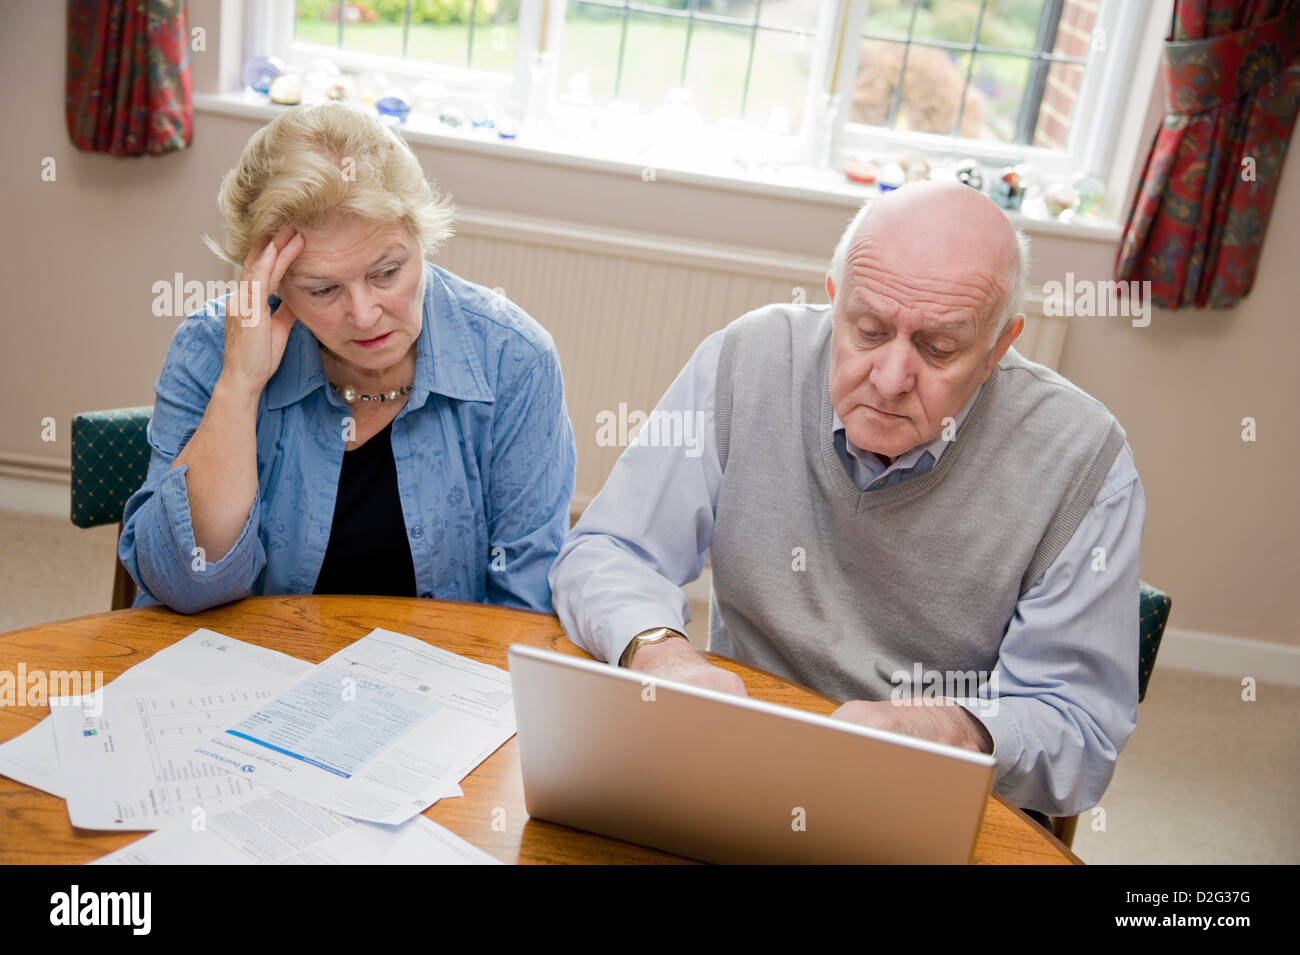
x,y
484,451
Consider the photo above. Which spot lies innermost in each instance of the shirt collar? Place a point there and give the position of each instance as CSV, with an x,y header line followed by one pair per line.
x,y
912,455
445,362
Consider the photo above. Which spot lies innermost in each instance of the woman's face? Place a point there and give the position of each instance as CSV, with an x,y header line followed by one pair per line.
x,y
356,285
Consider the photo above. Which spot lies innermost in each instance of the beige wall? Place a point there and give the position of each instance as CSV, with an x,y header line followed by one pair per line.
x,y
1223,516
79,256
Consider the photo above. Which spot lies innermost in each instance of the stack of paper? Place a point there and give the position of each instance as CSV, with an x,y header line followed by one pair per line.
x,y
241,754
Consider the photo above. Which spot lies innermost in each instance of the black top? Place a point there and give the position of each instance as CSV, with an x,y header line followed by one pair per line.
x,y
368,552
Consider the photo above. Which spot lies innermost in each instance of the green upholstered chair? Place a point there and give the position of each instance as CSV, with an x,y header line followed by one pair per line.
x,y
1152,617
110,458
1153,614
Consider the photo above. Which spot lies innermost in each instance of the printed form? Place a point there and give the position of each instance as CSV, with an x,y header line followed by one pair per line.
x,y
275,828
133,766
379,731
205,658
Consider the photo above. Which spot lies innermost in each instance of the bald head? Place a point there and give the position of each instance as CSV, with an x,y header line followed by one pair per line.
x,y
932,229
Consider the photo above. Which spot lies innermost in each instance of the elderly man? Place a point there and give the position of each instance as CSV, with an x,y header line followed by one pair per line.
x,y
889,492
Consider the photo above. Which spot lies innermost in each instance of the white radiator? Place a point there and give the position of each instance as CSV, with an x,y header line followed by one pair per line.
x,y
627,310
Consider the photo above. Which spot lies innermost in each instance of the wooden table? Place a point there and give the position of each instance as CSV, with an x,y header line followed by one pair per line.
x,y
34,826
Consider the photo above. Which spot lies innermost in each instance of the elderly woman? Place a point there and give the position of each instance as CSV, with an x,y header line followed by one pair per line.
x,y
364,422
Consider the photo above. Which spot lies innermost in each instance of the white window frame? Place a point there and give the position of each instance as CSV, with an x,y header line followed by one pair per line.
x,y
272,26
835,54
1093,128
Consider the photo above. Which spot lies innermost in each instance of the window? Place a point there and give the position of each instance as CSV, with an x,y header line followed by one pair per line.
x,y
476,34
738,58
998,80
974,69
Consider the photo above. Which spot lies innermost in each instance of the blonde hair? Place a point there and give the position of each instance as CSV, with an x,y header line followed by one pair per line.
x,y
312,163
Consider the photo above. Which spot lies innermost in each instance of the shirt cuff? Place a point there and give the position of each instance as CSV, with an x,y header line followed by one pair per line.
x,y
618,630
185,570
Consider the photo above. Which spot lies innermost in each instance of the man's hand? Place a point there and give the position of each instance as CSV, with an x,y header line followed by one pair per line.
x,y
938,720
676,659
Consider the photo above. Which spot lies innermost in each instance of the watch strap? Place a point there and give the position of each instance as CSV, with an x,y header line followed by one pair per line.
x,y
646,637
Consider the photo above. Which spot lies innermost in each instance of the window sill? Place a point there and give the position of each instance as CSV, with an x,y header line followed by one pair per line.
x,y
802,182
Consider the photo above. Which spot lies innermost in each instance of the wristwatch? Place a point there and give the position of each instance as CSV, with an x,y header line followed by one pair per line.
x,y
657,635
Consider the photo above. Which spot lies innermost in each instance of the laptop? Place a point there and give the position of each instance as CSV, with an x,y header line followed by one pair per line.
x,y
730,779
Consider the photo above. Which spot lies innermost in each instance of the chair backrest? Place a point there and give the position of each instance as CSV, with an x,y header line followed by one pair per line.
x,y
110,458
1153,614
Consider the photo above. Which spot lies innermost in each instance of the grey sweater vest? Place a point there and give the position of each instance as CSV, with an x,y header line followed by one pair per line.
x,y
836,588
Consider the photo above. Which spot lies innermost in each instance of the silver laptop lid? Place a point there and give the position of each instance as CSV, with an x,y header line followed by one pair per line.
x,y
731,779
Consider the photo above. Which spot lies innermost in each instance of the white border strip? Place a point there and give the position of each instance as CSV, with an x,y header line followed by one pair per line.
x,y
34,493
1235,657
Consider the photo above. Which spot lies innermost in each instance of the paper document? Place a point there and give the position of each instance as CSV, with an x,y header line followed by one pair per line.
x,y
379,731
31,758
133,766
278,828
204,658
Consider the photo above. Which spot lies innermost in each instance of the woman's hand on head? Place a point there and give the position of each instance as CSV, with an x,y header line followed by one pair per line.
x,y
255,338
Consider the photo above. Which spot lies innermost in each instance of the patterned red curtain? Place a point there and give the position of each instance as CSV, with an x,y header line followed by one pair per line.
x,y
1232,72
129,87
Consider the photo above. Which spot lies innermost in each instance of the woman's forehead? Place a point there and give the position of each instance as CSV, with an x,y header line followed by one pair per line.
x,y
355,247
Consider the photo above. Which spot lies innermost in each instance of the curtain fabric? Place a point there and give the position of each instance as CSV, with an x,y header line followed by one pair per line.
x,y
1232,72
128,79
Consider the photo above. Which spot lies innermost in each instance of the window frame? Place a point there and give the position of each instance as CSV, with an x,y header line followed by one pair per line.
x,y
1094,128
273,29
1092,134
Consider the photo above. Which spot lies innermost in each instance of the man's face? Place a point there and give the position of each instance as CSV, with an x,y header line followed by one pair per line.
x,y
356,286
909,345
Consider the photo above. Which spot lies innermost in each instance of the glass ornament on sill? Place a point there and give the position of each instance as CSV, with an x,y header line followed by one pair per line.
x,y
753,152
344,89
428,99
372,87
453,117
260,71
621,123
320,79
862,170
830,108
483,112
891,177
541,77
507,128
393,108
968,173
572,115
1092,193
1060,197
286,89
915,168
1010,185
675,126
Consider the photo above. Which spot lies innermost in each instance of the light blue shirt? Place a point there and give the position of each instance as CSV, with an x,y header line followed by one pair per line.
x,y
483,446
1067,665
